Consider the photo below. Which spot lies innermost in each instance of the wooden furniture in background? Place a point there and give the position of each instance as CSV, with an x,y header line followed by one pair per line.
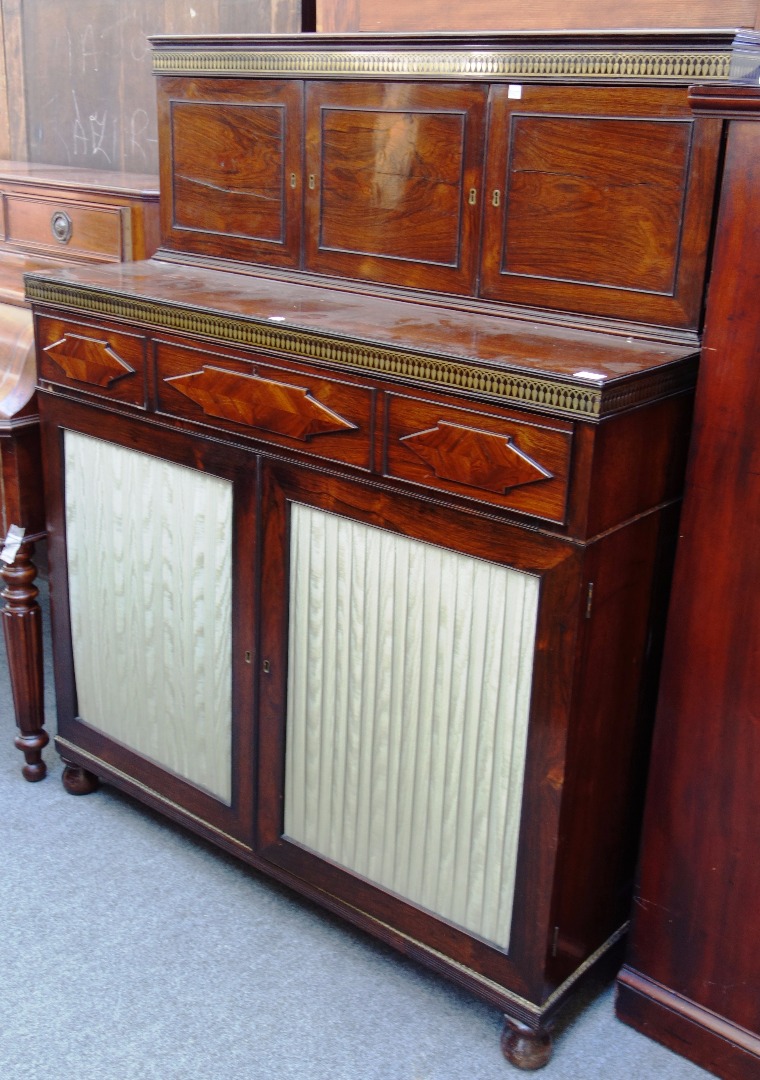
x,y
363,491
376,16
692,978
51,216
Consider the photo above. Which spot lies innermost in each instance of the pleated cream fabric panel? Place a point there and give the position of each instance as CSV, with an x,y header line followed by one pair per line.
x,y
149,554
409,690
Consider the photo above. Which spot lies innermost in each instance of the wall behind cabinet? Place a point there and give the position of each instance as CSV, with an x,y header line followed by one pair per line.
x,y
75,79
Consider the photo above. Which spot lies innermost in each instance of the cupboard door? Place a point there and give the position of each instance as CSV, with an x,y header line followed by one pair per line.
x,y
599,201
154,616
394,178
231,169
400,765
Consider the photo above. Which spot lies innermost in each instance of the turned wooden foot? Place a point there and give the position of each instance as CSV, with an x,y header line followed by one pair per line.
x,y
525,1047
22,625
78,781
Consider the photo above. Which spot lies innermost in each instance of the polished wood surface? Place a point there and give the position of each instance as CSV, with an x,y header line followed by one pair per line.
x,y
208,401
568,162
227,172
691,977
77,214
336,354
174,294
477,189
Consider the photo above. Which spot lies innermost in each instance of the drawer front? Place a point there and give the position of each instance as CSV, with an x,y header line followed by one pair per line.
x,y
515,464
298,409
70,229
91,358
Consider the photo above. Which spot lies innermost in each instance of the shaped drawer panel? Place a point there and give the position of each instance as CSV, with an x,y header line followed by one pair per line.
x,y
91,358
515,464
299,409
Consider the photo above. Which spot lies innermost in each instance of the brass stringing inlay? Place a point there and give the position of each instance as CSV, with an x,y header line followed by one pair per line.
x,y
519,64
554,395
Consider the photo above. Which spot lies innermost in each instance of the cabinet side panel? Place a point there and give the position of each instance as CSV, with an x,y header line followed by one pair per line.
x,y
149,568
408,700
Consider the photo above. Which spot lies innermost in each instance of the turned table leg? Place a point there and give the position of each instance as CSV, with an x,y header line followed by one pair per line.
x,y
526,1047
22,625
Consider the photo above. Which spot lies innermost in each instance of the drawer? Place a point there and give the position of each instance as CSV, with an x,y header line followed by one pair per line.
x,y
91,358
507,462
286,405
67,228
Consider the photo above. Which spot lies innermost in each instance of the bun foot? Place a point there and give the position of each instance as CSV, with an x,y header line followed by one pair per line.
x,y
525,1047
78,781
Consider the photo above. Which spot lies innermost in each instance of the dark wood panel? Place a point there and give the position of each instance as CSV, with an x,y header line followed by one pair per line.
x,y
599,201
593,179
368,15
608,749
394,182
231,169
692,978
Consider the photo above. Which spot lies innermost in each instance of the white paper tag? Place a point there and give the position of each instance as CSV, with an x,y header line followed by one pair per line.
x,y
13,542
514,90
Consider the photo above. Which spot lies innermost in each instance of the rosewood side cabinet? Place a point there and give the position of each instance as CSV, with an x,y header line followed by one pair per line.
x,y
363,491
50,216
692,974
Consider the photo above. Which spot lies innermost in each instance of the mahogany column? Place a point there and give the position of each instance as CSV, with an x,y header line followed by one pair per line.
x,y
692,979
22,506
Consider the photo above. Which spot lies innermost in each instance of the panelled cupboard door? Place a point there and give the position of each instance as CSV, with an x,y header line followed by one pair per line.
x,y
598,201
153,618
411,713
231,168
394,179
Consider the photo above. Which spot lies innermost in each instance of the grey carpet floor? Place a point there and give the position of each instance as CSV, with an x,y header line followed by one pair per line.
x,y
131,950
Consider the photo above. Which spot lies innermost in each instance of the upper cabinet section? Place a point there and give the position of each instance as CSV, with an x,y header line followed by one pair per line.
x,y
553,172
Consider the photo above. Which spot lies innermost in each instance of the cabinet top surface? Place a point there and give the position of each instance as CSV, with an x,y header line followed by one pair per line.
x,y
372,333
30,174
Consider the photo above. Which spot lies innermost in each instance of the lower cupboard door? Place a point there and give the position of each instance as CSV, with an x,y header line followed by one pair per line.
x,y
404,725
150,565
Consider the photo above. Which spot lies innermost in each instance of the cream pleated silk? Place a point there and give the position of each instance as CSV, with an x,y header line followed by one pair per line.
x,y
149,564
409,690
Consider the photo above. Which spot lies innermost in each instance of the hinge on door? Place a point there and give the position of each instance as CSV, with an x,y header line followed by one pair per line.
x,y
589,599
555,939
